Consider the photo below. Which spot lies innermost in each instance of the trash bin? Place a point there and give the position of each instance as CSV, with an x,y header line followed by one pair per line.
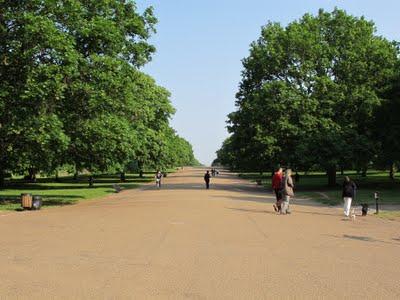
x,y
26,201
37,202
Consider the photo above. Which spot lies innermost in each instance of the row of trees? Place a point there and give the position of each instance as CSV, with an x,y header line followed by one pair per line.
x,y
321,93
72,93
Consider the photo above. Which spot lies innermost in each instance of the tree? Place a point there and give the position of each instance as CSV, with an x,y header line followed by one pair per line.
x,y
71,92
388,127
34,58
309,92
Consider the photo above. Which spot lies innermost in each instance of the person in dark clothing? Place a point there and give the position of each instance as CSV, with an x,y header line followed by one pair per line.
x,y
276,186
207,179
348,193
158,178
212,172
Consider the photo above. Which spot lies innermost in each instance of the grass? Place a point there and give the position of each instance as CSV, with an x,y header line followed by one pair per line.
x,y
66,191
390,215
314,186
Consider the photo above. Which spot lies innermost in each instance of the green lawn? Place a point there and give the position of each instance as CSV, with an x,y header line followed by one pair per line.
x,y
314,186
67,191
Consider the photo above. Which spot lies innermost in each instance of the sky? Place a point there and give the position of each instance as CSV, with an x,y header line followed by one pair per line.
x,y
200,45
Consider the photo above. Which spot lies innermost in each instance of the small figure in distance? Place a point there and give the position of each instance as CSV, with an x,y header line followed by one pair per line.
x,y
212,172
158,178
288,186
277,187
348,193
207,179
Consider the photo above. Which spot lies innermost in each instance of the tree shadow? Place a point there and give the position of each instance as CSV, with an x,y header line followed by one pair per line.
x,y
252,210
360,238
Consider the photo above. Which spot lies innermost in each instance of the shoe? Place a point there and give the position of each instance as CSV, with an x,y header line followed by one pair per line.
x,y
275,208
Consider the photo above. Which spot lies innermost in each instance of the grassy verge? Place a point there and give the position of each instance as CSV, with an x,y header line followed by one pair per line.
x,y
314,186
66,191
389,215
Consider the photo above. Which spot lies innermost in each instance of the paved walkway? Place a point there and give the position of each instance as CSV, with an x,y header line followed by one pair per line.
x,y
187,242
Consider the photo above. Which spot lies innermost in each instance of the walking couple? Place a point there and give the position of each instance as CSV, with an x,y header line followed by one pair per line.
x,y
283,185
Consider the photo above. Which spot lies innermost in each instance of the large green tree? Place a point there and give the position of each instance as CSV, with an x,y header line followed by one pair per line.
x,y
71,90
309,93
35,56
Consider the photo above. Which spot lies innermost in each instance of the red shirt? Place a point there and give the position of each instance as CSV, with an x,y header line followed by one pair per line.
x,y
276,180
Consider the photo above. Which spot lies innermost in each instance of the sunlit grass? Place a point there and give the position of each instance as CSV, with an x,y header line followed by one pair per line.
x,y
67,191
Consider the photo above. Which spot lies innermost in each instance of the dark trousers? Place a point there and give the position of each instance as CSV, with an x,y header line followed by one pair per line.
x,y
207,184
278,194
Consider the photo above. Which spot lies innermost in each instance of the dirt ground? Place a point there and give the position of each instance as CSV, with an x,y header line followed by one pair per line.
x,y
184,241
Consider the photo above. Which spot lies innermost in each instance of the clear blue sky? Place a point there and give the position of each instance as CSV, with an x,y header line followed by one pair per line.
x,y
200,44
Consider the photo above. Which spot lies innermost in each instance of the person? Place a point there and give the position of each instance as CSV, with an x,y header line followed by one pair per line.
x,y
207,179
158,178
276,186
212,172
348,193
287,190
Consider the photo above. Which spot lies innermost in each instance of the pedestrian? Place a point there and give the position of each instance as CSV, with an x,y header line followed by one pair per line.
x,y
207,179
348,193
276,186
158,178
287,190
212,172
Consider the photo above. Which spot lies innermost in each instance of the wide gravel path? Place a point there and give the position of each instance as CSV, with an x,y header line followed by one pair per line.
x,y
187,242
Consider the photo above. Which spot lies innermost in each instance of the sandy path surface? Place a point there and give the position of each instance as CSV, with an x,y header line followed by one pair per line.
x,y
187,242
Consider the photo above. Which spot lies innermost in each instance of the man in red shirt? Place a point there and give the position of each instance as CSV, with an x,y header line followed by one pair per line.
x,y
276,186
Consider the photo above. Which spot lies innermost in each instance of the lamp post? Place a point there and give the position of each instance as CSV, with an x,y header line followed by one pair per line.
x,y
376,196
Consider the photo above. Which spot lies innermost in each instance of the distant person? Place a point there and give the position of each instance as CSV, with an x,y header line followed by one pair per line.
x,y
207,179
277,187
212,172
287,190
348,194
158,178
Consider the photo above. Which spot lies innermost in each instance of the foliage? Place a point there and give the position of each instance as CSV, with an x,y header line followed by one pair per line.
x,y
309,94
71,92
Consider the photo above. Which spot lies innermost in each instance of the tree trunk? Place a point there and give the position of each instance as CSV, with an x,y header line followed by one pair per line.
x,y
91,181
2,178
76,175
331,175
364,172
32,175
122,177
391,173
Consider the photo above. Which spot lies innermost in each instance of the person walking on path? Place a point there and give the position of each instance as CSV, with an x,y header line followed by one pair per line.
x,y
287,190
348,193
277,187
207,179
158,178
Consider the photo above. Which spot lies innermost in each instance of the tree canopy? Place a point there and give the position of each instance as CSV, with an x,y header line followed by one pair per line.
x,y
309,95
71,89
